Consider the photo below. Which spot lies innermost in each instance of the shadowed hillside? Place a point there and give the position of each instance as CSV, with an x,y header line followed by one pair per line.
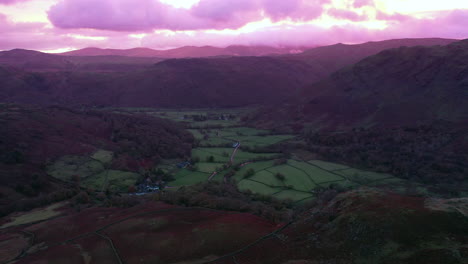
x,y
397,87
220,82
334,57
364,226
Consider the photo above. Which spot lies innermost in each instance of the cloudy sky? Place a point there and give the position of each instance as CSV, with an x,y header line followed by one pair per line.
x,y
61,25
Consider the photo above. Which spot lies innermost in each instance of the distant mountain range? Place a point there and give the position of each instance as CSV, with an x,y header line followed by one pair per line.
x,y
29,60
227,81
186,52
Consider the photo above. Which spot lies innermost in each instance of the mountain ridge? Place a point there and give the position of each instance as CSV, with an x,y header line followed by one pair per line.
x,y
184,52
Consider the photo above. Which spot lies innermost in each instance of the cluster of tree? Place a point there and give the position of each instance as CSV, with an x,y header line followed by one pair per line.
x,y
227,197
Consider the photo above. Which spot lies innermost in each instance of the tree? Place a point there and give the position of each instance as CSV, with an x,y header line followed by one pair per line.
x,y
249,173
280,176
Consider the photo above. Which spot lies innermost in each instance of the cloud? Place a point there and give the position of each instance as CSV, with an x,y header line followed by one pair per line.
x,y
147,15
11,2
79,22
445,25
296,10
39,36
346,14
362,3
392,17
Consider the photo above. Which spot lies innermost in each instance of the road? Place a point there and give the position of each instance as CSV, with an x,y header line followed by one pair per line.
x,y
231,161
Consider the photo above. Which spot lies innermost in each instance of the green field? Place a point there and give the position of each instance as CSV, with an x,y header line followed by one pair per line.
x,y
267,178
93,172
208,167
114,180
257,187
243,156
295,179
328,165
302,178
220,155
103,156
316,174
68,166
186,177
260,141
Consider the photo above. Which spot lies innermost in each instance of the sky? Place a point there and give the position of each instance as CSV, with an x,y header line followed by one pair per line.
x,y
63,25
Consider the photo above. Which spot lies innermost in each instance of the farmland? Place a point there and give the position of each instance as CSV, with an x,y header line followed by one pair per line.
x,y
226,151
254,169
223,151
93,172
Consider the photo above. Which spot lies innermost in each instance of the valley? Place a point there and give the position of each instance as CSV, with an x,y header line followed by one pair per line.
x,y
337,154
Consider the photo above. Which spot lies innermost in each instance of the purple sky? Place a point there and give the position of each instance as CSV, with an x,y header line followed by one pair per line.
x,y
59,25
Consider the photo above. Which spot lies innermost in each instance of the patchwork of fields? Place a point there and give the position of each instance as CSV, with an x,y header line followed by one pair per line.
x,y
93,172
225,152
268,174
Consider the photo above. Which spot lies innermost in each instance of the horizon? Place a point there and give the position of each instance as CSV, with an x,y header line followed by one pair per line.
x,y
56,26
223,47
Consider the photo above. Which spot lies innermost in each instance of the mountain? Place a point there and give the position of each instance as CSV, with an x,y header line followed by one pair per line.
x,y
217,82
188,82
328,59
396,87
185,52
34,60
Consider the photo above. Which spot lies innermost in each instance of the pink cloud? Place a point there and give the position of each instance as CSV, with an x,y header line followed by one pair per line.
x,y
219,10
297,10
146,15
11,2
39,36
392,17
445,25
346,14
362,3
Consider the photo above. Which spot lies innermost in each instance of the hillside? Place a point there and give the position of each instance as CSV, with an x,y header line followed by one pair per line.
x,y
219,82
396,87
32,139
364,226
334,57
